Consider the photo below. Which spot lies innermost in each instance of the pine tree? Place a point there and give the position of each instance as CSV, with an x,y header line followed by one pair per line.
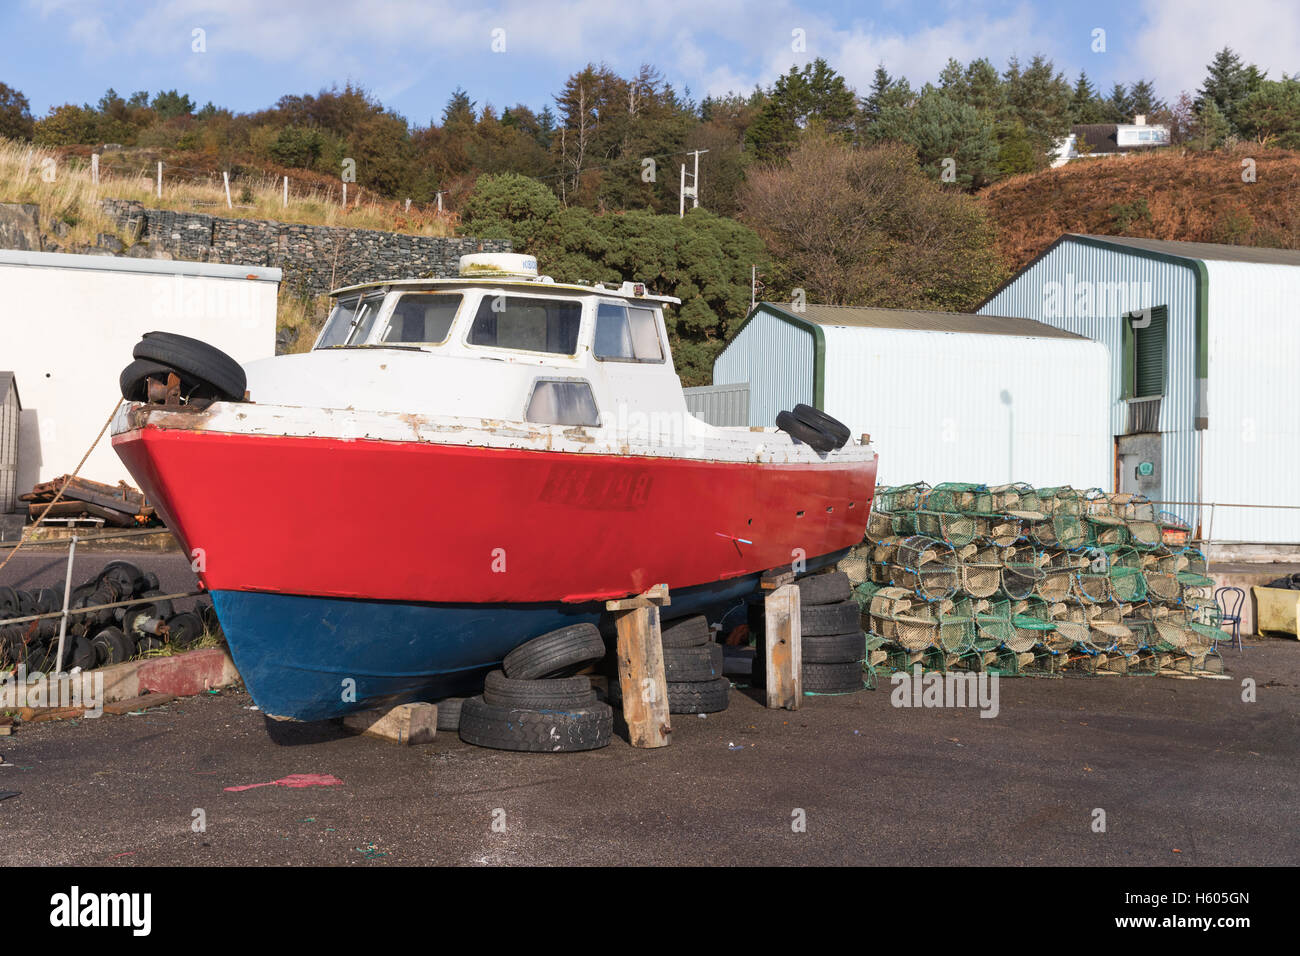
x,y
1085,104
1145,102
1227,84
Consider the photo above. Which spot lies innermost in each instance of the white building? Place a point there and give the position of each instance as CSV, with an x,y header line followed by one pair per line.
x,y
945,396
1204,381
1088,140
67,327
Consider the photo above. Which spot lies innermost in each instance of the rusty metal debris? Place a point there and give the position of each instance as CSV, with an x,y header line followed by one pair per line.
x,y
118,505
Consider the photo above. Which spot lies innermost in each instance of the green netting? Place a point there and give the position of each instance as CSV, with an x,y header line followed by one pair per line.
x,y
1090,583
1127,583
925,566
901,618
981,570
880,524
999,529
1106,631
1031,619
857,565
960,497
1061,500
1059,531
1192,568
958,530
1160,568
1071,625
1022,569
993,627
956,626
1057,567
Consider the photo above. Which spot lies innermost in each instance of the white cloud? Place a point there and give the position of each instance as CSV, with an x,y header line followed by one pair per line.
x,y
1181,37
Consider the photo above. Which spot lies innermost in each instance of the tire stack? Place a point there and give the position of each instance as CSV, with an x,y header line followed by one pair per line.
x,y
692,669
535,704
174,369
832,642
108,636
814,428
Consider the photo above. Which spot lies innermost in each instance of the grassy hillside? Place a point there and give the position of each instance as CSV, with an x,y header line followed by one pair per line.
x,y
1192,196
65,192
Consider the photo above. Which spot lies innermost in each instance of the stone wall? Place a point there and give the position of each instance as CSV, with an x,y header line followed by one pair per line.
x,y
315,259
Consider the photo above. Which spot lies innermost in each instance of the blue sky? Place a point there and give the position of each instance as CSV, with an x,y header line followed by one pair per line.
x,y
413,53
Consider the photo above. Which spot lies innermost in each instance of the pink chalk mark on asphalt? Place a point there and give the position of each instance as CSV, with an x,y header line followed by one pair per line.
x,y
294,780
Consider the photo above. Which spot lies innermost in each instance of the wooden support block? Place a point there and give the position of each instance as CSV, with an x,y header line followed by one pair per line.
x,y
641,677
119,707
772,580
657,596
6,726
783,647
36,715
414,723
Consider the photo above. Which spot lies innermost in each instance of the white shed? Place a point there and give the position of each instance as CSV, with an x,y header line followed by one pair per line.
x,y
1204,395
945,396
69,323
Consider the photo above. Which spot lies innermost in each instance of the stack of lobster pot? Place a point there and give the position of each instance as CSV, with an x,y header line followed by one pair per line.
x,y
833,644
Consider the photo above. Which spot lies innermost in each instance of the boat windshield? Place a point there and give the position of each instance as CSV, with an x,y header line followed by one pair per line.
x,y
350,321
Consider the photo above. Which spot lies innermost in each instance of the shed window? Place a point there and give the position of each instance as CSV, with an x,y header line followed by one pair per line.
x,y
528,324
627,334
562,402
1147,353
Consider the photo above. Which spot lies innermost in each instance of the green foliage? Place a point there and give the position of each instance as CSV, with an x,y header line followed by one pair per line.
x,y
1129,214
169,104
1016,152
799,97
1271,114
939,128
297,147
1228,82
15,114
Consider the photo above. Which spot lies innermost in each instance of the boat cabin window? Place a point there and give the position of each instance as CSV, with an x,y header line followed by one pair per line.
x,y
422,318
350,320
527,324
561,402
626,333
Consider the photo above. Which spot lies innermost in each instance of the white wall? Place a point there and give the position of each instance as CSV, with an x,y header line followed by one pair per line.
x,y
67,327
776,358
1252,445
943,406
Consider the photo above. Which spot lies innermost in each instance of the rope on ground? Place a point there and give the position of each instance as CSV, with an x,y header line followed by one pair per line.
x,y
37,523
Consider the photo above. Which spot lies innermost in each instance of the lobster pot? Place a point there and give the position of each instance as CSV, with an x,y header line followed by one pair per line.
x,y
897,616
1145,535
880,524
1057,566
926,566
1192,568
1059,531
1205,628
1107,532
1090,583
857,565
957,496
896,498
980,569
1001,530
993,626
1021,571
1017,496
1106,632
1143,630
1140,516
1174,531
1172,630
1127,582
1194,597
1062,500
1031,622
956,626
1160,568
863,593
1071,626
958,530
882,557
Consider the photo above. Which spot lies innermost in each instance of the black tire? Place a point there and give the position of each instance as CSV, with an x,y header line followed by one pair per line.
x,y
535,731
556,693
125,577
197,360
163,609
83,654
833,648
49,600
693,663
134,379
449,713
840,618
184,630
832,678
818,419
699,697
833,588
557,654
688,632
36,655
814,438
112,646
149,643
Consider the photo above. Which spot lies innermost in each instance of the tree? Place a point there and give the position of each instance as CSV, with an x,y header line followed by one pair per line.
x,y
885,92
15,114
1211,128
1085,104
1271,114
170,104
1227,83
1038,98
800,96
855,226
1119,105
940,128
1142,94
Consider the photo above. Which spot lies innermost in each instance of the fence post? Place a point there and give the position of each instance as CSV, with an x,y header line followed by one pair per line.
x,y
160,179
67,593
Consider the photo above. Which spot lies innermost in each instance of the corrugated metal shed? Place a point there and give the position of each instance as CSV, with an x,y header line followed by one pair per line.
x,y
1230,355
10,410
726,406
943,399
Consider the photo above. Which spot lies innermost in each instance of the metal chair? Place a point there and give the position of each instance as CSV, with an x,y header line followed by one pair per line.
x,y
1231,612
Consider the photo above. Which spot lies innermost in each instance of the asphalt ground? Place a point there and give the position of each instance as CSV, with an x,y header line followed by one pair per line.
x,y
1186,772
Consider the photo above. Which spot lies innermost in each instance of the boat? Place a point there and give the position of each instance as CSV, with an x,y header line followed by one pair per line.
x,y
459,465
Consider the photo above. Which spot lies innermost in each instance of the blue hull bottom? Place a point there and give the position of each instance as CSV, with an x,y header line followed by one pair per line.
x,y
313,658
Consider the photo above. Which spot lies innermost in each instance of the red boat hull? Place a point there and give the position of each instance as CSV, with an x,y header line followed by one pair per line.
x,y
429,522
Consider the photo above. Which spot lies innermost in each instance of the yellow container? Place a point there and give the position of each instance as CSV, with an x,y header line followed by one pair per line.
x,y
1277,610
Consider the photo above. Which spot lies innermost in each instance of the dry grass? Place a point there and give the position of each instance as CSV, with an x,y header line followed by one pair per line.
x,y
302,317
60,183
1169,194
